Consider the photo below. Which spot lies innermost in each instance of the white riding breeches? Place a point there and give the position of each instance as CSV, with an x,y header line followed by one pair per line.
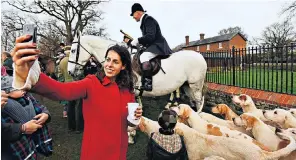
x,y
146,56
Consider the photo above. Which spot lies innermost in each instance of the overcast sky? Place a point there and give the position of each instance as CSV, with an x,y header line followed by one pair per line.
x,y
178,18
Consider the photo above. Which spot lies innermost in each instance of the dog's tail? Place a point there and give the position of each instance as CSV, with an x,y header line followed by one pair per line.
x,y
282,152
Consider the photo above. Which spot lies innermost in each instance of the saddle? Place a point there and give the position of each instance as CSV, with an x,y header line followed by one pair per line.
x,y
155,63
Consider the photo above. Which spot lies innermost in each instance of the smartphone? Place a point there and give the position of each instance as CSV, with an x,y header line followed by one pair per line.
x,y
30,29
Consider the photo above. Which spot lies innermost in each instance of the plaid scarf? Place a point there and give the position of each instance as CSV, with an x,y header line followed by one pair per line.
x,y
171,143
25,148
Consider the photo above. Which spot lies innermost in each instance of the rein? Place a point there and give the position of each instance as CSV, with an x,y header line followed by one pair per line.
x,y
78,52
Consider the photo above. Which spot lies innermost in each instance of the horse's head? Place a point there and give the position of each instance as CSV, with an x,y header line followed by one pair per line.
x,y
77,57
84,47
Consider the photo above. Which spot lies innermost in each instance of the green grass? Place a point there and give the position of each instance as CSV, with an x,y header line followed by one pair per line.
x,y
270,80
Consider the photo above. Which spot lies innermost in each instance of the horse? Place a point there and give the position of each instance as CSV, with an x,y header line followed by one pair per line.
x,y
185,68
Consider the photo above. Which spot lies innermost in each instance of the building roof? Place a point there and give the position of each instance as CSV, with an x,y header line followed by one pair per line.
x,y
221,38
225,37
178,47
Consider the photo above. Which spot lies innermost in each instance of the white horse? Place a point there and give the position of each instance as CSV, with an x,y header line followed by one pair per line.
x,y
186,69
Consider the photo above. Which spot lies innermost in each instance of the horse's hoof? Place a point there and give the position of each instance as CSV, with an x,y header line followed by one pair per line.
x,y
168,106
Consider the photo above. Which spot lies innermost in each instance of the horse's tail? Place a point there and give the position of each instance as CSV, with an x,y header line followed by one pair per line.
x,y
202,104
204,88
204,91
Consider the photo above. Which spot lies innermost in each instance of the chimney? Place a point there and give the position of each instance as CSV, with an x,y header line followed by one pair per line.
x,y
187,40
202,36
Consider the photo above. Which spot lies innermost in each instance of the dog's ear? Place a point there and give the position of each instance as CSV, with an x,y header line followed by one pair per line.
x,y
250,122
181,109
243,97
223,108
186,112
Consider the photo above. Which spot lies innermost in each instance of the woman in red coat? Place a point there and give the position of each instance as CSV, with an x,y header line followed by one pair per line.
x,y
104,100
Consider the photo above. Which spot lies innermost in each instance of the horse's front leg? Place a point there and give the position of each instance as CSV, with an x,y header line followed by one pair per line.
x,y
170,101
177,97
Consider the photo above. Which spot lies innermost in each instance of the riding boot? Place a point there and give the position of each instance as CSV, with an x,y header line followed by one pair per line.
x,y
146,76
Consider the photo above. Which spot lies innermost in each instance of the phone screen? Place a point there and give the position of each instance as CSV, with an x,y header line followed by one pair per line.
x,y
30,29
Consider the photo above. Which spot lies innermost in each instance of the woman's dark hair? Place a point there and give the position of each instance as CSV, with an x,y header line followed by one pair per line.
x,y
126,78
167,120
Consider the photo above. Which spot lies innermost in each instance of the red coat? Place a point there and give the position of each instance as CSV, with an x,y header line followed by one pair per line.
x,y
104,111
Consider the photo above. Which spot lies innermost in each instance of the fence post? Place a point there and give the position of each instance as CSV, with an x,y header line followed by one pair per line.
x,y
233,65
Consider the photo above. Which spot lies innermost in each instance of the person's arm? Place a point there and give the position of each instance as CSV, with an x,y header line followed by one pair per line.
x,y
149,37
40,107
10,131
55,90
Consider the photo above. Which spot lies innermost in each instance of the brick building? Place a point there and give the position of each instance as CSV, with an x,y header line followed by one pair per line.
x,y
217,43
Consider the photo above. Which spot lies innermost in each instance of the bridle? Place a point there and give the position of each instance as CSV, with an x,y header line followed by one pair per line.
x,y
78,52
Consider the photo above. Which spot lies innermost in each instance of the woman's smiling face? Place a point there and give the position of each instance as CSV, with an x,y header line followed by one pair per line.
x,y
113,65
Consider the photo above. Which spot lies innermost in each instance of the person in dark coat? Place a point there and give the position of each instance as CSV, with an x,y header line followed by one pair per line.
x,y
166,144
152,39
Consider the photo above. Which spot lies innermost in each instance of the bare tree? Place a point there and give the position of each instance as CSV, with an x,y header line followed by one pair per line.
x,y
290,10
72,15
49,40
278,34
233,30
12,24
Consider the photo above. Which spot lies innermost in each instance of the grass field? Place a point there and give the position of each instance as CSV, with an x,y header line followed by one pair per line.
x,y
276,81
67,145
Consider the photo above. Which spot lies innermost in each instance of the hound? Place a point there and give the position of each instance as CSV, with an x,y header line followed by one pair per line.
x,y
187,115
261,131
200,146
224,110
248,106
291,132
293,111
282,117
229,124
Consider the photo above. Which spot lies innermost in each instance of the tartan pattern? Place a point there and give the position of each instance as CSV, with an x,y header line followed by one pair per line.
x,y
27,145
37,106
24,146
42,137
171,143
43,141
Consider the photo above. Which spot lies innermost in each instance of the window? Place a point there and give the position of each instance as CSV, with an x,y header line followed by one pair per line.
x,y
208,47
197,48
220,45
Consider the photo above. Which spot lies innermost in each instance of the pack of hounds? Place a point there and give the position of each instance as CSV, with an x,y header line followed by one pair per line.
x,y
254,135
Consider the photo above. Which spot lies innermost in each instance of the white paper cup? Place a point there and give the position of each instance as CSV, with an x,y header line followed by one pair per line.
x,y
132,107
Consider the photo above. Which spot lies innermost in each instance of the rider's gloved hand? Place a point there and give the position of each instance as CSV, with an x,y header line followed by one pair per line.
x,y
135,42
126,39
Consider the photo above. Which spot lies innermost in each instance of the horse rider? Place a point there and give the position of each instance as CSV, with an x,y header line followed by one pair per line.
x,y
151,39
